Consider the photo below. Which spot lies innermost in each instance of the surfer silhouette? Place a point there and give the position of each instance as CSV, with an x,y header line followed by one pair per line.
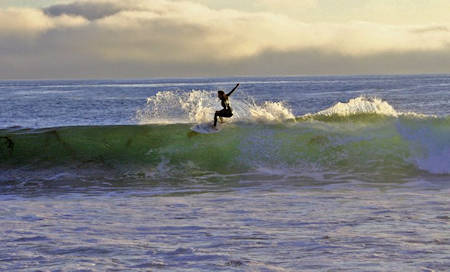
x,y
226,111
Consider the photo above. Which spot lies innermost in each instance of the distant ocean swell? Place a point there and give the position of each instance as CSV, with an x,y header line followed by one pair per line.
x,y
363,138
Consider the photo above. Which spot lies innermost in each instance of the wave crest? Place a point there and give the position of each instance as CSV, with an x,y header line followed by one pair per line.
x,y
198,106
361,105
364,109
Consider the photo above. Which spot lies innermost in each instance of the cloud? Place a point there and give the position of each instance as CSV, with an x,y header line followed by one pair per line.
x,y
286,5
99,37
88,10
26,22
431,29
32,21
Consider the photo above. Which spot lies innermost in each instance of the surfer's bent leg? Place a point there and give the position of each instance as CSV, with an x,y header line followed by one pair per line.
x,y
217,114
221,113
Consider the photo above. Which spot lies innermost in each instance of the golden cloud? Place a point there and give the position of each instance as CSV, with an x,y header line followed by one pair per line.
x,y
163,31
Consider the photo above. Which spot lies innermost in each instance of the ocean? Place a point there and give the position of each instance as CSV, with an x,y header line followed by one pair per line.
x,y
324,173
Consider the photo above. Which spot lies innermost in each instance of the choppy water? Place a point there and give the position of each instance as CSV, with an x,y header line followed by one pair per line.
x,y
311,173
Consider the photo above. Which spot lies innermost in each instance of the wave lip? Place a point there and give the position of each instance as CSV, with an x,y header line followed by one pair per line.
x,y
362,108
361,105
199,106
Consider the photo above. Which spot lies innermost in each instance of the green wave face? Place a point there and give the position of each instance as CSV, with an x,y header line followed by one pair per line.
x,y
371,147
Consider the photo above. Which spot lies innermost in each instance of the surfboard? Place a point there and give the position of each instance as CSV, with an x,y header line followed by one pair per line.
x,y
206,128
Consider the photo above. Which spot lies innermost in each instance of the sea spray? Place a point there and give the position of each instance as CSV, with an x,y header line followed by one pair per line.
x,y
360,105
198,106
362,109
270,112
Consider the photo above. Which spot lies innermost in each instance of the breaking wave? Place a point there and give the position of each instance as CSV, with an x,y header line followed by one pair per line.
x,y
364,138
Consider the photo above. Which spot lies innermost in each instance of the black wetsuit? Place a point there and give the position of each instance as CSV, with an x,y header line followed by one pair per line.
x,y
225,112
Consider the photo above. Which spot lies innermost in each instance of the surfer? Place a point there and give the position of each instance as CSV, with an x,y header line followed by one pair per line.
x,y
226,111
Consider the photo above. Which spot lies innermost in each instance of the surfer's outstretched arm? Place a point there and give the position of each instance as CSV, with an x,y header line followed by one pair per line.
x,y
237,85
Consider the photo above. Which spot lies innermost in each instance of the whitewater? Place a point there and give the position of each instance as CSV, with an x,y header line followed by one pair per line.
x,y
310,174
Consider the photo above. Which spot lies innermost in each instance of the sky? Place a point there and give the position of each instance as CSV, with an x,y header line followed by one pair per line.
x,y
48,39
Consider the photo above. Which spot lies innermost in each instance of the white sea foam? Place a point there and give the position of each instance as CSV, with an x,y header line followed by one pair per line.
x,y
198,106
361,105
365,105
270,111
